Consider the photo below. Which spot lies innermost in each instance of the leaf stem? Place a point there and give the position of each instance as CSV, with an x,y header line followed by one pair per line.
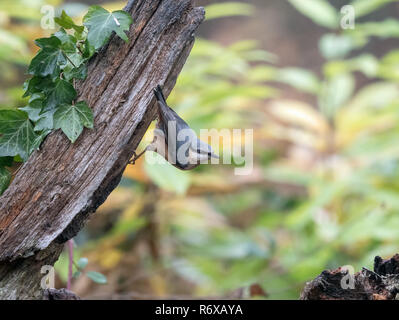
x,y
80,50
66,56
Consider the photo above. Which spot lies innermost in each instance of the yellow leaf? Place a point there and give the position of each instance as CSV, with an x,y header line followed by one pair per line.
x,y
299,114
136,171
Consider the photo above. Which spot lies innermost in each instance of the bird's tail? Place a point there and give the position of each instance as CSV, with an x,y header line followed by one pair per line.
x,y
159,94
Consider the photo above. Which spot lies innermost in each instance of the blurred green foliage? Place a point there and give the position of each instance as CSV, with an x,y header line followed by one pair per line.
x,y
323,192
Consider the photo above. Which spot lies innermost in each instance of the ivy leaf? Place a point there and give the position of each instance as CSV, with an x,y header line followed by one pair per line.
x,y
88,50
28,87
5,178
6,161
67,119
50,58
60,93
18,159
75,73
39,139
101,23
47,43
66,22
68,46
67,41
36,85
72,118
37,96
33,109
16,134
45,121
97,277
86,114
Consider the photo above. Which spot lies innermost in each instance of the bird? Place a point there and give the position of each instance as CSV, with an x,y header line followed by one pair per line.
x,y
184,154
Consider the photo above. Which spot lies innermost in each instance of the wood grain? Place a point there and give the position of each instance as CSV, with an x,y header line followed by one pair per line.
x,y
59,186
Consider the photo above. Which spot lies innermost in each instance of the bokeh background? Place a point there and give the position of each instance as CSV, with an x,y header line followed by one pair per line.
x,y
324,192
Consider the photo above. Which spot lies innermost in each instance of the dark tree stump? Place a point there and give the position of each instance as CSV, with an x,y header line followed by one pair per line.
x,y
338,284
59,186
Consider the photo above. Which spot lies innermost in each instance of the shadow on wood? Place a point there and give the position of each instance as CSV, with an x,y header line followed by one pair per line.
x,y
59,186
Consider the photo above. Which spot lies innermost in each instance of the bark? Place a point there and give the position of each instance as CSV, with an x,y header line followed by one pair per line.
x,y
58,188
338,284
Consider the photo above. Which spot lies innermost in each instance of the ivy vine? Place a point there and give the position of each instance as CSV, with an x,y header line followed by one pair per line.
x,y
61,59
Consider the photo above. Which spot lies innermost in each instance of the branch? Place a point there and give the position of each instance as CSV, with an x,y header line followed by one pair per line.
x,y
59,186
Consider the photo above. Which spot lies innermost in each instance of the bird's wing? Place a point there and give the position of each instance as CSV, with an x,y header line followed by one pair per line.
x,y
190,141
166,114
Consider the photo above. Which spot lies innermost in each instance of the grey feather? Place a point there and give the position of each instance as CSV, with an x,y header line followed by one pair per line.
x,y
186,138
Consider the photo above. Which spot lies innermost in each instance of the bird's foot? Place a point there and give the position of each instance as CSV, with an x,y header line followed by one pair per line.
x,y
133,160
136,156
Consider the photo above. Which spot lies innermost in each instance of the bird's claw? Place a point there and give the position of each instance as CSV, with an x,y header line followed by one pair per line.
x,y
133,160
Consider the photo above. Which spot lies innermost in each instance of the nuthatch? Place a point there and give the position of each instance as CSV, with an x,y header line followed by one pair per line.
x,y
175,140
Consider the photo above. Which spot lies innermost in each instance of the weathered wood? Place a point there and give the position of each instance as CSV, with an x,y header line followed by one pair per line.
x,y
338,284
62,184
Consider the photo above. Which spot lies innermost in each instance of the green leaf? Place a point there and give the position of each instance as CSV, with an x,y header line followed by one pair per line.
x,y
364,7
336,46
388,28
75,73
36,85
5,178
6,161
72,118
228,9
97,277
167,177
335,93
76,274
66,22
88,50
299,78
68,46
18,159
82,263
389,67
33,109
375,96
60,93
37,96
65,38
67,119
50,58
45,122
366,63
319,11
102,23
47,43
39,139
14,47
86,114
17,135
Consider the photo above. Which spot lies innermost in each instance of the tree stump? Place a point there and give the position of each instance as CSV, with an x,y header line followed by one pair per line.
x,y
338,284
